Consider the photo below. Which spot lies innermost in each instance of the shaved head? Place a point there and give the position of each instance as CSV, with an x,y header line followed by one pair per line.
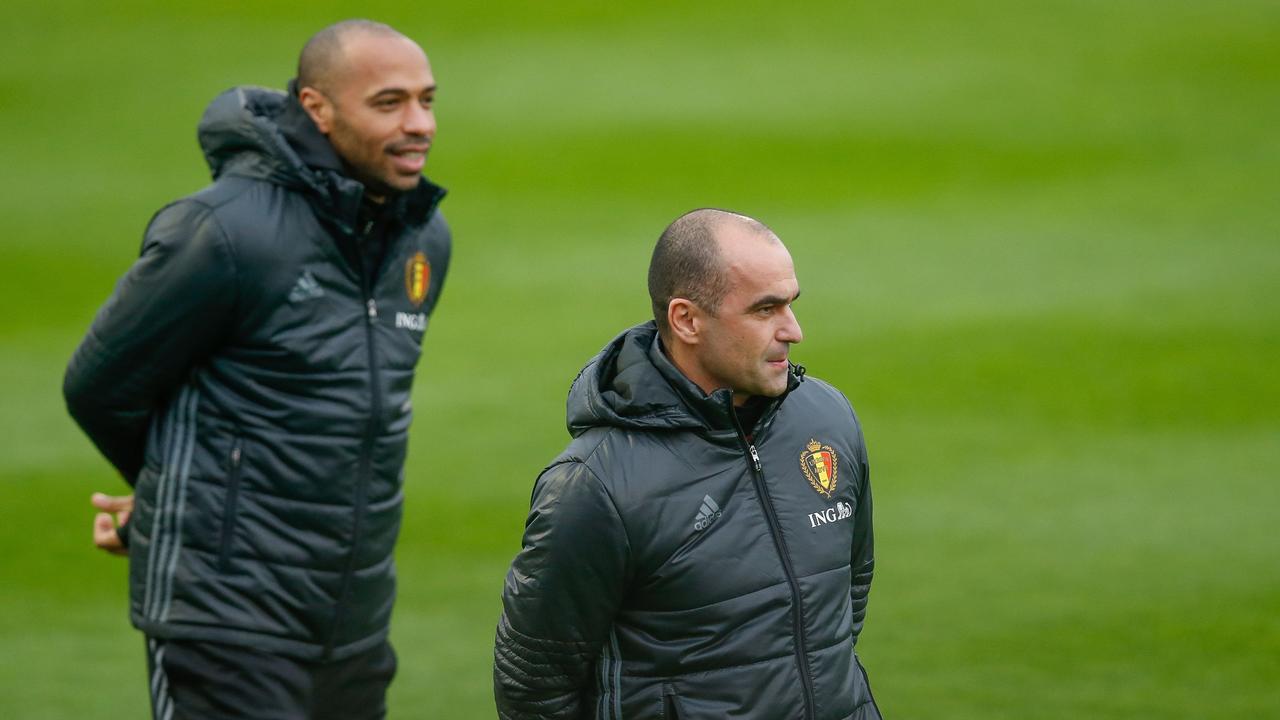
x,y
688,261
321,62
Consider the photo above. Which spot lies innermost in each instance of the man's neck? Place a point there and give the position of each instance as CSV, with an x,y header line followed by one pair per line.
x,y
679,357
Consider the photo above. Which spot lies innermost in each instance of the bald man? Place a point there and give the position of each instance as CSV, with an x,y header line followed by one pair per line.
x,y
703,546
250,379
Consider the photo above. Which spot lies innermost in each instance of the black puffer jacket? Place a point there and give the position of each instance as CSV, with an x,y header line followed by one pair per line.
x,y
253,384
676,565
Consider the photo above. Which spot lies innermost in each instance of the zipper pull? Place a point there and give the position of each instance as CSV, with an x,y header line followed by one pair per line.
x,y
373,308
755,457
235,455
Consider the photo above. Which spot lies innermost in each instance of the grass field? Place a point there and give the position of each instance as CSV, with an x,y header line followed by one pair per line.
x,y
1040,251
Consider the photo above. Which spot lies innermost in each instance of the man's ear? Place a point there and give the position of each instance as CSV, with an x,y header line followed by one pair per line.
x,y
685,320
318,107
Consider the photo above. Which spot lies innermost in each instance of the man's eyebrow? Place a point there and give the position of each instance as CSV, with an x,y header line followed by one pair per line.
x,y
769,300
399,91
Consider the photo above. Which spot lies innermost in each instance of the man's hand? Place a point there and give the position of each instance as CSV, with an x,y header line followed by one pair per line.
x,y
115,514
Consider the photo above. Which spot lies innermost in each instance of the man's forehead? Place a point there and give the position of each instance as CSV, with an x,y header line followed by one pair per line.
x,y
762,269
375,61
749,250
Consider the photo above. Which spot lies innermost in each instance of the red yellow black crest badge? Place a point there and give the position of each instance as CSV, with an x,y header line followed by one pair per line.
x,y
820,465
417,278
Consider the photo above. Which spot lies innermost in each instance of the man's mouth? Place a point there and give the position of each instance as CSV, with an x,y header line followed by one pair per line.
x,y
409,157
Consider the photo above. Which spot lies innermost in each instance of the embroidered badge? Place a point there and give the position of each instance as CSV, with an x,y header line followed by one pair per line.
x,y
820,465
417,278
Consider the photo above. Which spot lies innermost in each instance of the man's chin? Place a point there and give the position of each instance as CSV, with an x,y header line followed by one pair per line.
x,y
404,183
779,386
381,190
772,391
386,183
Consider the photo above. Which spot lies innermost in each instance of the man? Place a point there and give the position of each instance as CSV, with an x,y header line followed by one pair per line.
x,y
703,547
250,378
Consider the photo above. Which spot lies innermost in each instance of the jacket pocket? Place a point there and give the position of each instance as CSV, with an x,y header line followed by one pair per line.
x,y
232,499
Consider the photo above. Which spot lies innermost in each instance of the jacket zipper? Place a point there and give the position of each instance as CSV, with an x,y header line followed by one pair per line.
x,y
229,507
775,528
669,710
366,450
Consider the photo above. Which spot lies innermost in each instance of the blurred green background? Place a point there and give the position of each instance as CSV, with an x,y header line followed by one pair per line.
x,y
1040,251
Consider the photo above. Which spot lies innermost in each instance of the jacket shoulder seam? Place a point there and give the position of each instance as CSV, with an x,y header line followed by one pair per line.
x,y
211,216
604,487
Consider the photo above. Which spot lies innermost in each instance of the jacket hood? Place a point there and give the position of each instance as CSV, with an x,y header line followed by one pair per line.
x,y
265,134
632,384
243,131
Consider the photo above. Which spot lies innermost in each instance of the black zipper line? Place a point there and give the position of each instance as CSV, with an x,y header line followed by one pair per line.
x,y
366,449
780,543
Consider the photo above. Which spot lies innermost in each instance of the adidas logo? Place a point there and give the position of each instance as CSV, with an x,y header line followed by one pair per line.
x,y
707,514
306,288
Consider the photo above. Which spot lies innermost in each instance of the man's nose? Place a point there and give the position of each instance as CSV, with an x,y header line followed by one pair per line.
x,y
420,121
790,331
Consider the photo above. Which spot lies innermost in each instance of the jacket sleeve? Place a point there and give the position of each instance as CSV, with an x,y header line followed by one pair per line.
x,y
863,559
560,597
166,313
440,251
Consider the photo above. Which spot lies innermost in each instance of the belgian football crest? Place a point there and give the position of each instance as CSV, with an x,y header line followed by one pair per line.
x,y
417,278
820,464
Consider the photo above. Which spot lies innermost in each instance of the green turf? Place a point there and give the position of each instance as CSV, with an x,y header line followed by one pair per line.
x,y
1040,250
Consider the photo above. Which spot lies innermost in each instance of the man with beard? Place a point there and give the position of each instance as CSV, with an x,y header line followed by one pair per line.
x,y
703,546
250,378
